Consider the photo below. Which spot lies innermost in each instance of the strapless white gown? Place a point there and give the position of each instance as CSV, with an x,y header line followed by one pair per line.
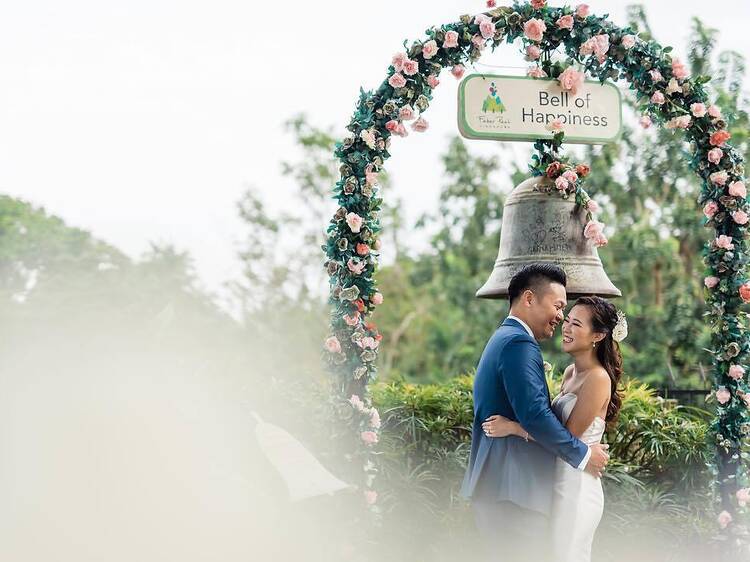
x,y
578,498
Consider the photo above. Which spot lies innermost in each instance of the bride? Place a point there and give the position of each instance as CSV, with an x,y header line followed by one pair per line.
x,y
588,401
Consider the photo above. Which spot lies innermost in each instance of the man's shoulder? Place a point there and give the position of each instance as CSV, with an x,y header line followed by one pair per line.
x,y
510,334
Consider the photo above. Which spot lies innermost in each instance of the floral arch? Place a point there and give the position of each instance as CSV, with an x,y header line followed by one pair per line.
x,y
667,96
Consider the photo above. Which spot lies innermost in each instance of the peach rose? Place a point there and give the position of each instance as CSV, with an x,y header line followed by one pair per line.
x,y
719,138
714,111
592,206
391,126
719,178
739,216
377,299
411,67
724,519
420,125
352,320
533,52
432,81
570,175
645,121
487,28
628,41
679,70
458,70
362,249
538,4
745,292
583,170
406,113
600,241
657,98
655,75
593,229
561,183
534,29
398,61
582,11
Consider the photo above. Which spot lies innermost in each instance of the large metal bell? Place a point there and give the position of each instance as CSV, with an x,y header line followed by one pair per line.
x,y
540,226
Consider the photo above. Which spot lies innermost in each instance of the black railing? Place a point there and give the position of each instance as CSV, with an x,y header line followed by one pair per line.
x,y
695,397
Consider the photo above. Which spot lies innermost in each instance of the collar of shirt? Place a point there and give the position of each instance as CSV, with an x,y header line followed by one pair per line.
x,y
522,323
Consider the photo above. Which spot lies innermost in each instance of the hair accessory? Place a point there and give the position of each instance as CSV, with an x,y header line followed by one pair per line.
x,y
620,331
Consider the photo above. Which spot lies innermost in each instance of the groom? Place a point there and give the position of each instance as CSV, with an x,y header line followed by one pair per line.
x,y
510,480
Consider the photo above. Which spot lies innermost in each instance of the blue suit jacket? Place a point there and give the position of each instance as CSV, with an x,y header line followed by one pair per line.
x,y
510,381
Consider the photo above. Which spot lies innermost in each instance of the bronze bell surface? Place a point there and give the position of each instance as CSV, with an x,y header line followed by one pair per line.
x,y
540,226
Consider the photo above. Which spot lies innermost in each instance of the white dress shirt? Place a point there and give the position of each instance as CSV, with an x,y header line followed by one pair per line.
x,y
586,457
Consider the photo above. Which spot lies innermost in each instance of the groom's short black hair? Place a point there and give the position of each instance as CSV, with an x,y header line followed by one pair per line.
x,y
534,276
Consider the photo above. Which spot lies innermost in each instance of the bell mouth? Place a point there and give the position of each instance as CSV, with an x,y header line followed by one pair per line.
x,y
539,226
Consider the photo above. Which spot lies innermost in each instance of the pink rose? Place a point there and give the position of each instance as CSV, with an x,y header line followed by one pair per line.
x,y
458,70
451,39
377,299
533,52
628,41
491,3
398,61
597,45
357,403
406,113
711,281
391,126
354,221
371,496
411,67
645,121
401,130
743,496
739,216
555,126
710,209
698,109
479,18
582,11
571,80
565,22
737,189
429,49
679,70
593,229
538,4
723,396
352,320
655,75
534,29
745,292
736,372
371,178
683,121
592,206
536,72
432,81
719,138
714,155
397,81
369,437
657,98
600,240
570,175
420,125
355,267
724,519
487,28
333,345
368,342
561,183
725,242
714,111
478,42
719,178
374,419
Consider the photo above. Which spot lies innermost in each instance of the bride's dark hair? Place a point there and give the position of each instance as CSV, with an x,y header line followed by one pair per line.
x,y
603,320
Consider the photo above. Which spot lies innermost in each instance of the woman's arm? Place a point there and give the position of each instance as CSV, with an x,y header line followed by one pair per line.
x,y
499,426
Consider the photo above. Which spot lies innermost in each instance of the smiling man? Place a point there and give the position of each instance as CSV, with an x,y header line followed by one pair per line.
x,y
510,479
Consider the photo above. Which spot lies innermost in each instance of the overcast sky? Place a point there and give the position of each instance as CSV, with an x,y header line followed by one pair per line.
x,y
146,120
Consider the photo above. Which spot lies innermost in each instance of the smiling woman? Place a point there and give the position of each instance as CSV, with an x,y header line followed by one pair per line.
x,y
667,95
